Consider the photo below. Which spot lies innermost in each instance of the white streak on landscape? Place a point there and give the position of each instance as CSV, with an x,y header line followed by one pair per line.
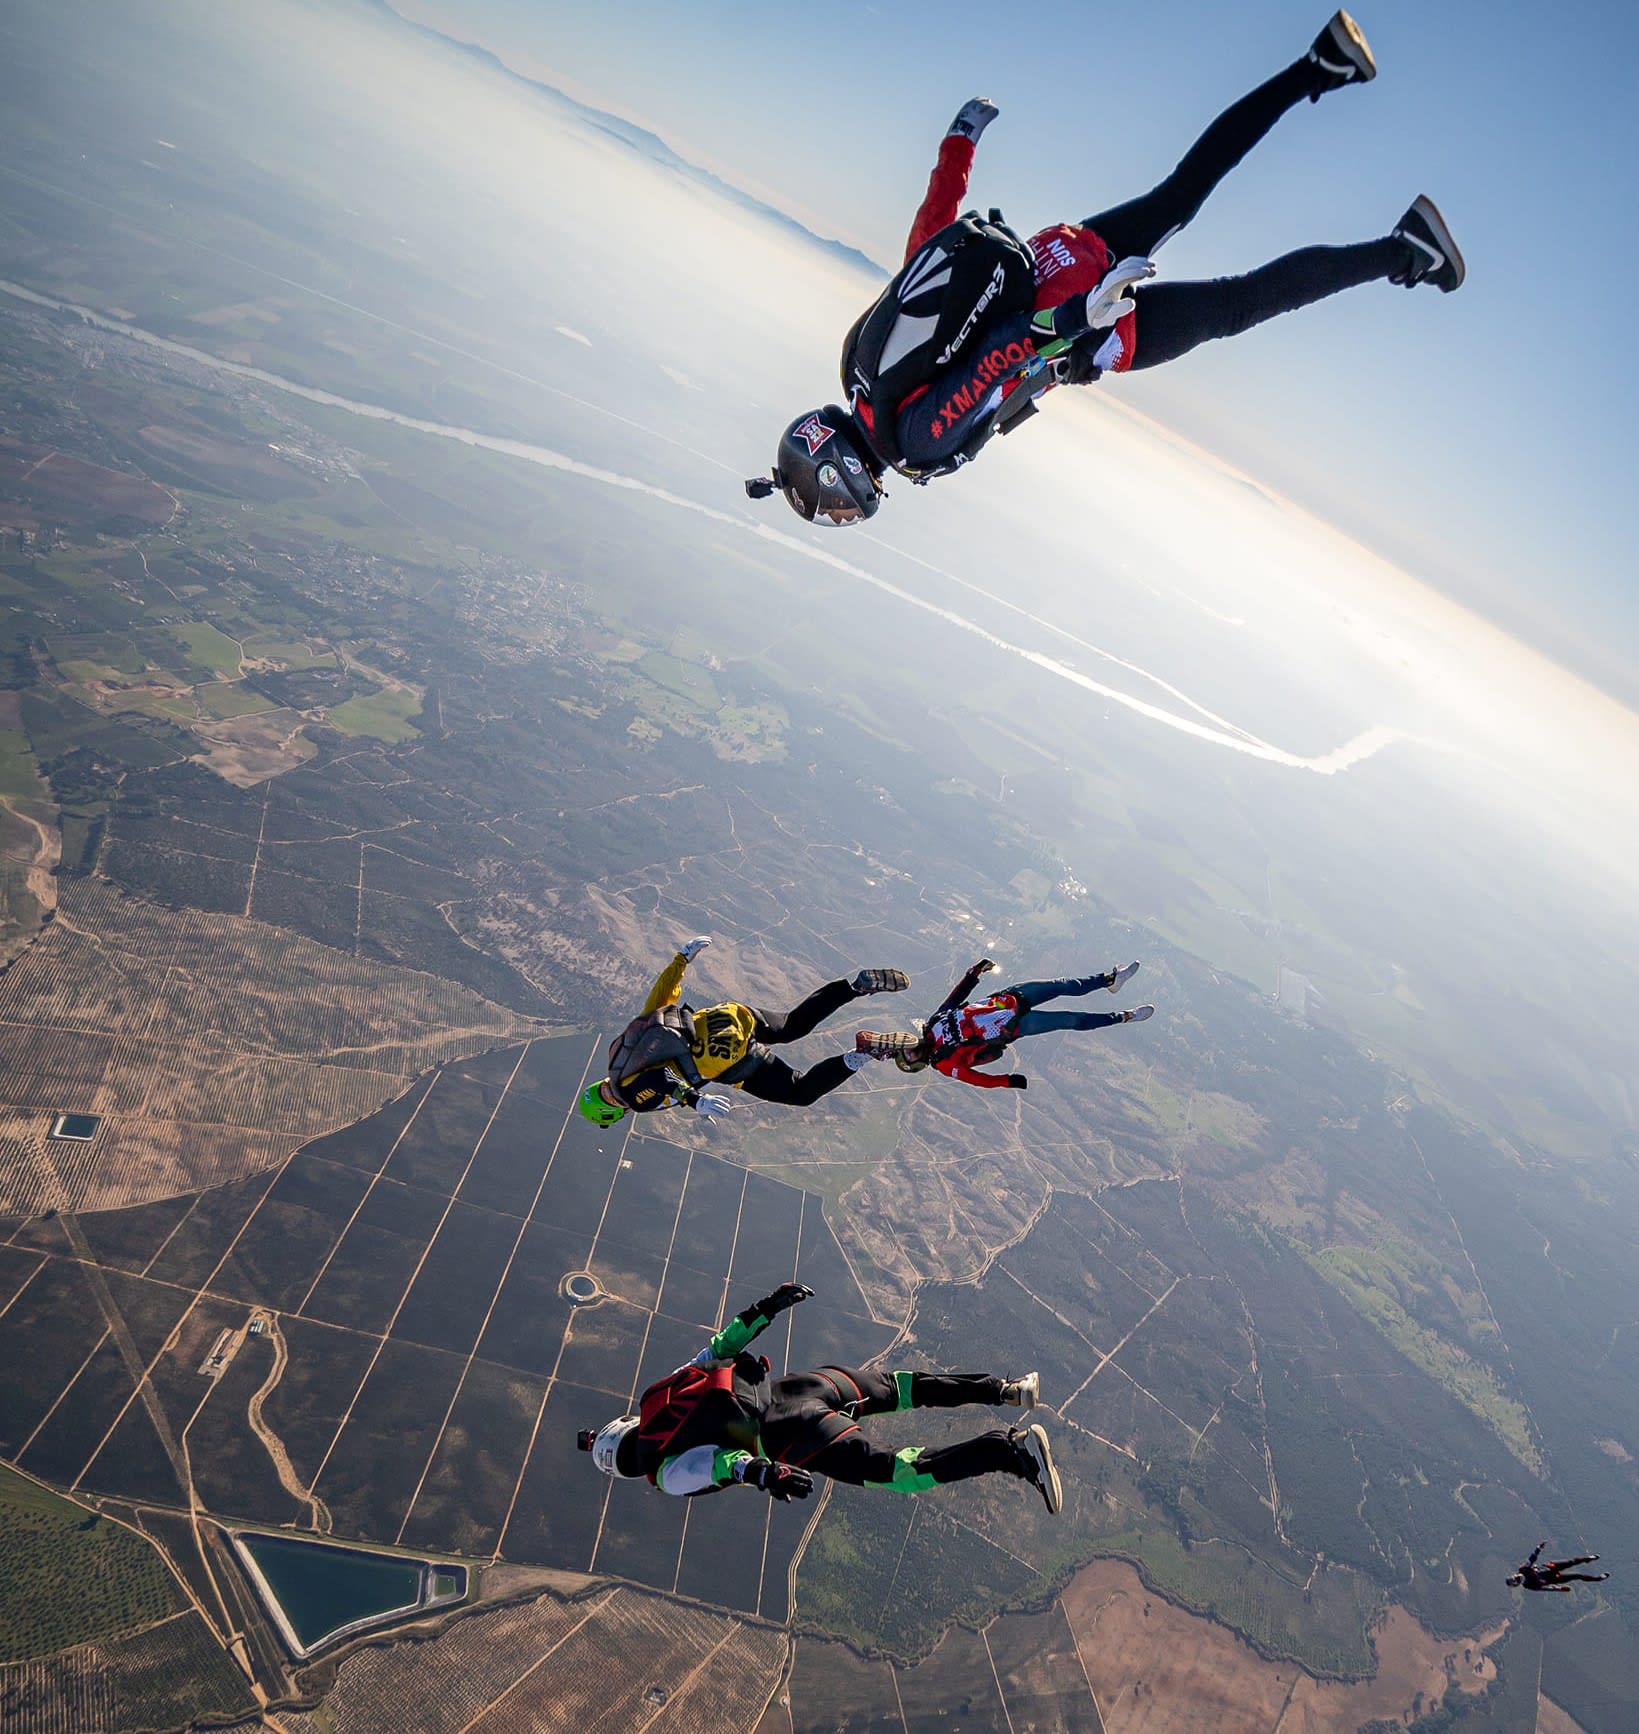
x,y
1072,638
573,336
1352,752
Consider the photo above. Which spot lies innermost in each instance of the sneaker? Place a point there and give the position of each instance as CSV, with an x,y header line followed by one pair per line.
x,y
1036,1463
1341,55
1121,976
1433,254
885,1044
880,981
1021,1393
1136,1014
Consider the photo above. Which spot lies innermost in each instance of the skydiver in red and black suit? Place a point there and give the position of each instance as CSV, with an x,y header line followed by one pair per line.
x,y
1554,1575
932,368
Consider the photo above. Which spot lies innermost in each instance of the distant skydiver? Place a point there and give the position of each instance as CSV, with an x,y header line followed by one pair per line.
x,y
720,1420
666,1055
977,323
959,1037
1554,1575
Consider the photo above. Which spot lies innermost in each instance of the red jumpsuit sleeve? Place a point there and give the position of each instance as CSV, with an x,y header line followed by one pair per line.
x,y
955,1066
947,187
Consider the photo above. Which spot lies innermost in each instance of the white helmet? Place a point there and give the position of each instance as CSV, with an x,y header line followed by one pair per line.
x,y
605,1443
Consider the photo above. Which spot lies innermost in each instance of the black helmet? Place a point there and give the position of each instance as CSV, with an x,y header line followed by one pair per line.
x,y
822,469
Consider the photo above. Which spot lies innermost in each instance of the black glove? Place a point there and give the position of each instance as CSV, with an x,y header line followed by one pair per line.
x,y
1018,1081
778,1480
1076,365
786,1296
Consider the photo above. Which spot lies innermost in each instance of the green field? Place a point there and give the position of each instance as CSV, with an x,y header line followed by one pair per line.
x,y
384,716
288,655
68,1576
210,649
223,699
18,774
1360,1277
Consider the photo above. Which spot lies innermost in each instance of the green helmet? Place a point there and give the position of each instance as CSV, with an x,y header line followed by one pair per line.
x,y
597,1107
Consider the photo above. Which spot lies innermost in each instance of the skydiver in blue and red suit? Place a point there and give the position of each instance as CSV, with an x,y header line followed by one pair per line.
x,y
963,1036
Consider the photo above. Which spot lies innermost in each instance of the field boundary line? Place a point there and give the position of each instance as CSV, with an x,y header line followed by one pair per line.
x,y
1110,1354
541,1660
136,1368
643,1347
364,1198
193,1205
790,1328
489,1312
535,1431
261,832
898,1697
984,1638
694,1673
56,1401
152,1403
733,1247
1081,1662
387,1333
45,1259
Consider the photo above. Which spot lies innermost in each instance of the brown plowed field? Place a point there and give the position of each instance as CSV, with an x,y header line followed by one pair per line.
x,y
1156,1668
52,479
212,1045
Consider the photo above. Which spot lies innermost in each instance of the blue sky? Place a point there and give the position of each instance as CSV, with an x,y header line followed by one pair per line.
x,y
1484,439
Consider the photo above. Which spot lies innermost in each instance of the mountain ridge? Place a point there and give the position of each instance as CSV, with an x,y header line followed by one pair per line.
x,y
637,138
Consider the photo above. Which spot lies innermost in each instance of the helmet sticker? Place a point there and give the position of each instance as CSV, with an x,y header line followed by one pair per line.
x,y
812,432
828,476
852,465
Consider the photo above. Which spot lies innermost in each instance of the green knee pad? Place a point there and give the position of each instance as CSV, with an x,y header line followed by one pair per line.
x,y
907,1477
902,1384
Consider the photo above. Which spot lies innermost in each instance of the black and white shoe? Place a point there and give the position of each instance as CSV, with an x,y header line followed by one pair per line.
x,y
1023,1392
1137,1014
1433,256
1036,1463
1341,55
1120,977
880,981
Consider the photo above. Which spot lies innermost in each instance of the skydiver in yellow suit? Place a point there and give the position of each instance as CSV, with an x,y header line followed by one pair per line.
x,y
668,1054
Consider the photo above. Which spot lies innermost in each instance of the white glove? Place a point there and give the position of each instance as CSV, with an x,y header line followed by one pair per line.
x,y
972,118
1109,352
713,1107
1110,299
695,946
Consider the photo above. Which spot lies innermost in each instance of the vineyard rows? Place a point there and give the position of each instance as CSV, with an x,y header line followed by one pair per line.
x,y
171,1674
67,1694
597,1681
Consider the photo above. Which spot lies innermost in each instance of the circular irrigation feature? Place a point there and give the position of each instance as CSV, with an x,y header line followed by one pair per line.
x,y
580,1288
